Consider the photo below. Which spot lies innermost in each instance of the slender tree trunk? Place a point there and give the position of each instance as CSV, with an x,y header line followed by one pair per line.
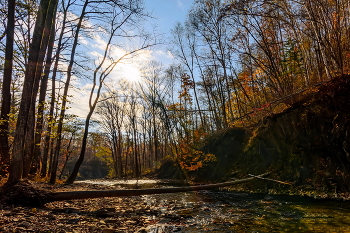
x,y
67,156
114,150
120,151
136,155
64,100
92,105
40,116
155,138
80,160
6,89
127,154
48,143
29,139
16,167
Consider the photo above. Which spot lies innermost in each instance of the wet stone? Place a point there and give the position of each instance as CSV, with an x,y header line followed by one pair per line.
x,y
108,230
104,213
24,224
73,221
58,210
71,210
111,220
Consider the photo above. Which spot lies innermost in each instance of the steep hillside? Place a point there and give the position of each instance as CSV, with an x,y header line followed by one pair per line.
x,y
307,144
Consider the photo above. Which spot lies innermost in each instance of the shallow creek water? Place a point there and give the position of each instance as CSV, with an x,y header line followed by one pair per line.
x,y
223,211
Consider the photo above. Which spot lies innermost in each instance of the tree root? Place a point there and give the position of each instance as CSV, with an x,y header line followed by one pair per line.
x,y
24,193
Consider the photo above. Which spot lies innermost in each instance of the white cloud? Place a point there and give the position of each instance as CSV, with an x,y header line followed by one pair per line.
x,y
144,55
169,54
160,52
99,42
83,41
96,54
79,103
117,52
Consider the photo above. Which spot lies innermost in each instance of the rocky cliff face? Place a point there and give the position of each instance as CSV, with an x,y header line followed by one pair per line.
x,y
307,144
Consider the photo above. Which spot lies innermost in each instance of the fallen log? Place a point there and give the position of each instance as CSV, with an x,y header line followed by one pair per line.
x,y
61,196
26,193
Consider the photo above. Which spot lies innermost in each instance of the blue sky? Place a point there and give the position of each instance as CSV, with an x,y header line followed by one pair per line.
x,y
168,12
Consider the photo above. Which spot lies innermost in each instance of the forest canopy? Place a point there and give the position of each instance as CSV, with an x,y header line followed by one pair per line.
x,y
235,63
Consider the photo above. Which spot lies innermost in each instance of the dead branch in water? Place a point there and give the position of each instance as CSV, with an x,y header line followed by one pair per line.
x,y
61,196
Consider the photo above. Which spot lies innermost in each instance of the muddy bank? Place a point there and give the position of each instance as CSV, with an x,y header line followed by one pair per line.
x,y
307,145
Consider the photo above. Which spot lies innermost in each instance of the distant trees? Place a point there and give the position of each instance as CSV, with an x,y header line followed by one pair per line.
x,y
38,137
121,16
235,63
112,113
254,58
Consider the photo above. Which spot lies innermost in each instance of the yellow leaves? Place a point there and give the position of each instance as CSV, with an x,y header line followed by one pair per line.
x,y
176,106
195,161
186,85
210,158
192,159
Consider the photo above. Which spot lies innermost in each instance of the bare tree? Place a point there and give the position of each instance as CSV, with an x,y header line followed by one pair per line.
x,y
6,89
16,167
130,13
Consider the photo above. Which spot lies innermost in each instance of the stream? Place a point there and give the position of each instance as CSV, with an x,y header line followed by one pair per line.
x,y
224,211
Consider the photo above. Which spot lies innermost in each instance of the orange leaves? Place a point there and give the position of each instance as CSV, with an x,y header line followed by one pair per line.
x,y
176,106
186,85
186,81
192,159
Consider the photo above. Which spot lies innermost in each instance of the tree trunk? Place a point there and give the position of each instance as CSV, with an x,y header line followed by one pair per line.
x,y
16,167
6,89
40,119
29,138
75,171
64,101
68,153
120,152
48,143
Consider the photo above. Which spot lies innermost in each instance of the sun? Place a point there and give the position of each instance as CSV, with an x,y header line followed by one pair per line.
x,y
132,74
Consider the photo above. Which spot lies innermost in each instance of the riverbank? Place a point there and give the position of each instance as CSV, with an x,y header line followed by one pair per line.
x,y
127,214
214,211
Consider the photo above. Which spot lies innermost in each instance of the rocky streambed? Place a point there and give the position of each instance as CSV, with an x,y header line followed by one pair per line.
x,y
204,211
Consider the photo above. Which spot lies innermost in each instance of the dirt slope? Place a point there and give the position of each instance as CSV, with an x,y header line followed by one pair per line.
x,y
307,144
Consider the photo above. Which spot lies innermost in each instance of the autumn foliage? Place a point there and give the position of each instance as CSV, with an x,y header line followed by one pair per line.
x,y
192,159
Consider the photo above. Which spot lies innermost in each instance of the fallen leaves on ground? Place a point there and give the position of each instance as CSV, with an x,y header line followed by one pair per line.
x,y
110,214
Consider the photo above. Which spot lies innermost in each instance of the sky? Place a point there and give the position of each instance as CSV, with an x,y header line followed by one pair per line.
x,y
166,13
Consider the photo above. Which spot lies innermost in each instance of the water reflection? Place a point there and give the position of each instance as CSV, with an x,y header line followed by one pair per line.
x,y
223,211
136,184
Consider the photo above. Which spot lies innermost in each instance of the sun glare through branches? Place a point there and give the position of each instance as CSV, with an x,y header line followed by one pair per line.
x,y
133,75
